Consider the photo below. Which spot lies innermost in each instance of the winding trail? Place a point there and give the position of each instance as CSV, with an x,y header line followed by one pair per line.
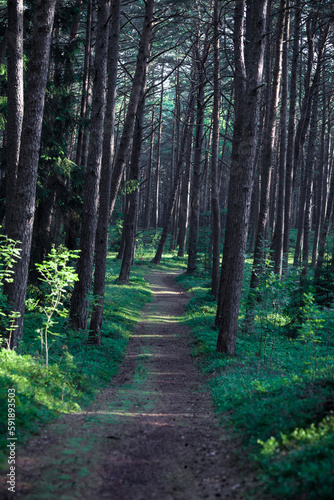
x,y
151,435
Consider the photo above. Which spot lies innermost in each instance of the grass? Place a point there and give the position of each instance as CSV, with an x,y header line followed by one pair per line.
x,y
77,370
276,394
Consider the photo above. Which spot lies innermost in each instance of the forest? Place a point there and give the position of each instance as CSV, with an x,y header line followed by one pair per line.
x,y
144,139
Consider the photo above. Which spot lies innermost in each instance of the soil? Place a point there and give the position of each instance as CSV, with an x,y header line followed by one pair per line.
x,y
151,435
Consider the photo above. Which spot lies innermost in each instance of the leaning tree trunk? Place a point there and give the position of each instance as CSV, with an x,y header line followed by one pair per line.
x,y
80,302
101,242
19,223
247,81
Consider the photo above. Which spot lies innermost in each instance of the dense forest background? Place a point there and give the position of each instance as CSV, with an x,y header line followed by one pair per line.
x,y
201,129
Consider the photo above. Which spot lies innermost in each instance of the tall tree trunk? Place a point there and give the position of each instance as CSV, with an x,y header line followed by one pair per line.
x,y
214,160
178,171
291,134
130,220
304,122
279,227
137,83
156,207
309,174
147,216
198,150
101,242
85,84
185,191
14,98
272,96
80,302
321,192
247,81
19,223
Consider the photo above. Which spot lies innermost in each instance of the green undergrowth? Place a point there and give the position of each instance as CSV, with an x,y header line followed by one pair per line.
x,y
77,369
276,393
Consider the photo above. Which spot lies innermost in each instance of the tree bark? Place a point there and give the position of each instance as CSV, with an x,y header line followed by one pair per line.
x,y
80,302
291,135
130,221
214,159
200,59
138,79
279,227
14,99
272,97
304,122
101,242
247,81
19,222
178,171
185,191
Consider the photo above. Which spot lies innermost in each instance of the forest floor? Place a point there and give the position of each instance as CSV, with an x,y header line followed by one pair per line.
x,y
151,434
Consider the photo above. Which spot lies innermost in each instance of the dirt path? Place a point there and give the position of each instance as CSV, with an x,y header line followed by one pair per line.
x,y
151,435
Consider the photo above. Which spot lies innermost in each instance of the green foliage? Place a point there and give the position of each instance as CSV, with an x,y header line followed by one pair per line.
x,y
76,369
58,276
9,253
277,392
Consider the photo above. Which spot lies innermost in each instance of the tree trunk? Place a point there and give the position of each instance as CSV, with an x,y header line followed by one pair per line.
x,y
147,217
214,160
130,220
321,192
156,208
304,122
14,99
198,150
138,79
247,81
178,171
272,96
85,84
101,243
80,302
184,205
309,174
19,223
291,135
279,227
